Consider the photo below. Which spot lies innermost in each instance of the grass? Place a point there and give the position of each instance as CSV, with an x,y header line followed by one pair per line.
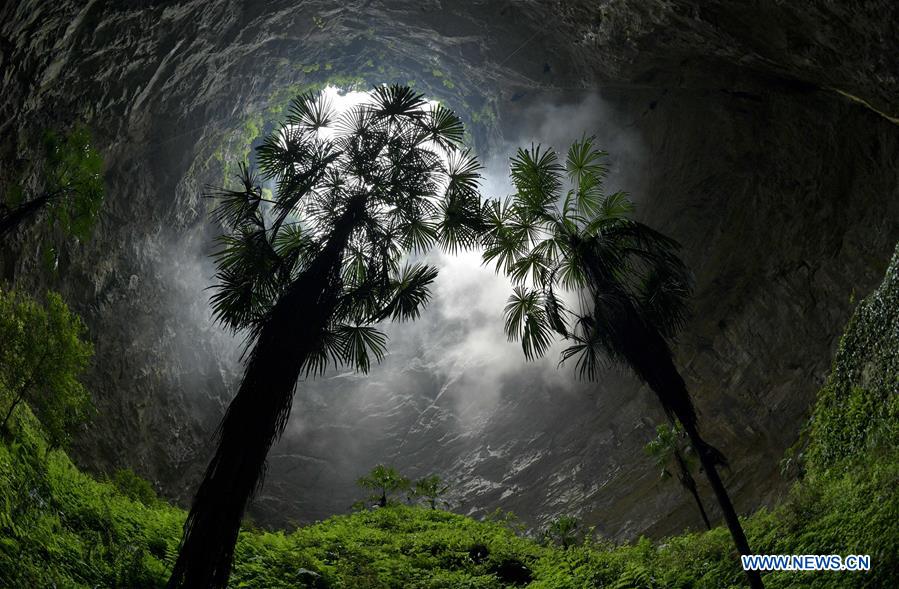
x,y
60,527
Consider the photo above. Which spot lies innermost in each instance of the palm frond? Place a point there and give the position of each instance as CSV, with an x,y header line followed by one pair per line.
x,y
503,245
532,265
556,312
281,151
463,172
526,320
585,161
329,351
359,344
410,292
293,245
418,235
589,356
617,206
395,101
237,208
460,221
443,127
311,111
537,177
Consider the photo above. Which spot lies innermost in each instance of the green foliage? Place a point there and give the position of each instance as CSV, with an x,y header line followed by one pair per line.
x,y
563,531
75,171
70,188
662,448
431,489
550,241
61,528
386,481
671,451
858,408
72,531
134,487
392,181
42,357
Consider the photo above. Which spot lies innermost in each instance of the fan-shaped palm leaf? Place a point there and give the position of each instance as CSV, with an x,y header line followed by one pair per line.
x,y
526,320
359,344
310,111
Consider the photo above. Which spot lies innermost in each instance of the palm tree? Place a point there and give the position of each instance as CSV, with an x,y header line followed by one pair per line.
x,y
308,272
385,481
73,187
665,450
627,285
431,489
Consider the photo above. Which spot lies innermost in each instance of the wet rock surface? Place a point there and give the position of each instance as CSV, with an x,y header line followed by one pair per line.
x,y
764,139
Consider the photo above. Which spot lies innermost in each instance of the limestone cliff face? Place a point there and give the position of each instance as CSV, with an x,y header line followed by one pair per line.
x,y
768,143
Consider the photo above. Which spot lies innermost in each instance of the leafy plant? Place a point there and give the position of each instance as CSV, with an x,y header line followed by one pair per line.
x,y
134,487
308,274
563,531
42,357
431,489
386,481
669,453
72,189
625,285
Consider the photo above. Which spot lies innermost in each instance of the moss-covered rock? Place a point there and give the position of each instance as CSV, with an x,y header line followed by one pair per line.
x,y
858,408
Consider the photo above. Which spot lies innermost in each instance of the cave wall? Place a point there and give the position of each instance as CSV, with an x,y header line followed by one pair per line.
x,y
769,138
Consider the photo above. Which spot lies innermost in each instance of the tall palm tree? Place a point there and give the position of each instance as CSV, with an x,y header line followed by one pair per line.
x,y
665,450
627,285
308,272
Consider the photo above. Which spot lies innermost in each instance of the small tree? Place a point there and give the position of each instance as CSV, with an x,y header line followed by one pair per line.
x,y
72,190
669,451
133,486
385,481
431,489
563,531
42,356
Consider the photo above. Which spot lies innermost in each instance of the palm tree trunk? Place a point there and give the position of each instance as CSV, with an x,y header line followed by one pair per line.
x,y
38,369
699,505
649,355
690,485
709,465
11,408
257,416
12,218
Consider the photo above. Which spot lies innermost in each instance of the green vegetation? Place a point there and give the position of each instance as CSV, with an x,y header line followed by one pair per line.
x,y
71,188
563,531
385,481
60,527
431,489
628,286
858,409
669,452
42,356
76,532
308,276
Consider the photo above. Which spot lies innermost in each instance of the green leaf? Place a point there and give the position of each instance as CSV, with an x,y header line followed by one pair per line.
x,y
526,320
359,343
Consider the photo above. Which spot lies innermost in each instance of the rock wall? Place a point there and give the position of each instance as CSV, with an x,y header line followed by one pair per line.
x,y
767,145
